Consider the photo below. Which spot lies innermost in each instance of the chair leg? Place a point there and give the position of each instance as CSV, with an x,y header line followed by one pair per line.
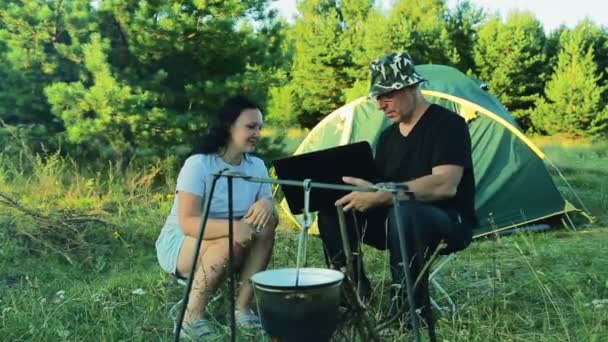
x,y
435,305
445,294
440,265
437,285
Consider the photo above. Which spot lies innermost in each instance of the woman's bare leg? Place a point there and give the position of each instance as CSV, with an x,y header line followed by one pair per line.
x,y
256,260
209,274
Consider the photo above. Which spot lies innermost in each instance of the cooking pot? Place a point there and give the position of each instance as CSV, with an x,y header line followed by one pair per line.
x,y
306,312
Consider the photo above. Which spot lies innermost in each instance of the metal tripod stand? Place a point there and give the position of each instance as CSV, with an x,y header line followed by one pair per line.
x,y
350,291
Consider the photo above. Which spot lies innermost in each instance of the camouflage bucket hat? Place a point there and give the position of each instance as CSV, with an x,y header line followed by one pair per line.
x,y
392,72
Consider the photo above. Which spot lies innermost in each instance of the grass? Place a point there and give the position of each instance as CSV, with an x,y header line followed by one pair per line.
x,y
586,169
548,286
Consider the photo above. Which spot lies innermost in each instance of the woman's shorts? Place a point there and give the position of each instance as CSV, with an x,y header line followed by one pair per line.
x,y
168,246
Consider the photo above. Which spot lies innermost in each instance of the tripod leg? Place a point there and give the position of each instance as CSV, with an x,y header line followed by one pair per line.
x,y
406,269
345,243
231,260
367,329
199,242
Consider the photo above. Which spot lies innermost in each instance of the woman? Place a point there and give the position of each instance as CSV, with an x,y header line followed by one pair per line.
x,y
232,135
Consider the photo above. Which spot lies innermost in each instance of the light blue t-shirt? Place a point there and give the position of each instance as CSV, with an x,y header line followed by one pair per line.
x,y
196,177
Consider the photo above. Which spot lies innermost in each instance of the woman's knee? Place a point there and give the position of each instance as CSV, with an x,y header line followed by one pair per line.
x,y
267,234
221,252
217,248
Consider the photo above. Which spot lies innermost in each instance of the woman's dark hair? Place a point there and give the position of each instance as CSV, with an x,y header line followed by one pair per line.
x,y
218,130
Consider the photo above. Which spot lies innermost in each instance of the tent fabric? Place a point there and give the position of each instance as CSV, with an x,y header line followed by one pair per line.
x,y
513,186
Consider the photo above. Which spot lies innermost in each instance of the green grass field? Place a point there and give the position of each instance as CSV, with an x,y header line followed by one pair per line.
x,y
77,260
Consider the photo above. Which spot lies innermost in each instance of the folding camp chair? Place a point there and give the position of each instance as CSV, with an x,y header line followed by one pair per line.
x,y
447,258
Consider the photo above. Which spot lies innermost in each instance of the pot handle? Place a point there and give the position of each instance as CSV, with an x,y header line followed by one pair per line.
x,y
297,296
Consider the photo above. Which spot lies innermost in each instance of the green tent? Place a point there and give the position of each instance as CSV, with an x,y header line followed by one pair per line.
x,y
513,185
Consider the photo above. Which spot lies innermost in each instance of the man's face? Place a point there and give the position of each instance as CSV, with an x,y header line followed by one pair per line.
x,y
398,105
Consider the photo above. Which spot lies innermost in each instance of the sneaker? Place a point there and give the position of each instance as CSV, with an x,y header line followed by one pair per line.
x,y
196,331
199,330
247,321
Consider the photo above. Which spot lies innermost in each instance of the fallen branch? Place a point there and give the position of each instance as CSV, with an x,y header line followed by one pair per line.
x,y
60,233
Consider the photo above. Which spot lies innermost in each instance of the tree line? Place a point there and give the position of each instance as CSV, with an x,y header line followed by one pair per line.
x,y
130,79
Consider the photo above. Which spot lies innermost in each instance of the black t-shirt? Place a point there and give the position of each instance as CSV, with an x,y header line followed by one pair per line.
x,y
440,137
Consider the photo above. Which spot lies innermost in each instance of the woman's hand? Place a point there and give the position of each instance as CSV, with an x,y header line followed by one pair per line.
x,y
243,232
260,213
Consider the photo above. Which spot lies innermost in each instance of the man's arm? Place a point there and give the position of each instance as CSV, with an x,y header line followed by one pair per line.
x,y
441,184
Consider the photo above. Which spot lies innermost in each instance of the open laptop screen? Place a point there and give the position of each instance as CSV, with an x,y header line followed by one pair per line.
x,y
324,166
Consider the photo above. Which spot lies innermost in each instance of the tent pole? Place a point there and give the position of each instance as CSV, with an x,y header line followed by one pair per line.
x,y
570,221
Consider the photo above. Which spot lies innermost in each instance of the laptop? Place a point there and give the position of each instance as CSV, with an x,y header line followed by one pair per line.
x,y
324,166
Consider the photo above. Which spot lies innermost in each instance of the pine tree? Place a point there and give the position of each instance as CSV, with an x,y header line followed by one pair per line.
x,y
375,40
552,46
573,103
510,58
354,14
138,78
195,53
597,38
39,44
103,111
419,28
319,71
416,27
462,22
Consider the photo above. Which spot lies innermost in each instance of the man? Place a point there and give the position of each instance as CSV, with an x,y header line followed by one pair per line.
x,y
428,149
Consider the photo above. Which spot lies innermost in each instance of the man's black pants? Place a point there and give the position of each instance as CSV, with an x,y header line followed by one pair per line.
x,y
424,225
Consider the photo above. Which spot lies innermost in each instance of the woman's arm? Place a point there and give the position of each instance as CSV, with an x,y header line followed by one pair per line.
x,y
262,212
189,215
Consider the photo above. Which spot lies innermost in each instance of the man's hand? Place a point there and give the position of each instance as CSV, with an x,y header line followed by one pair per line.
x,y
360,201
356,181
260,213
